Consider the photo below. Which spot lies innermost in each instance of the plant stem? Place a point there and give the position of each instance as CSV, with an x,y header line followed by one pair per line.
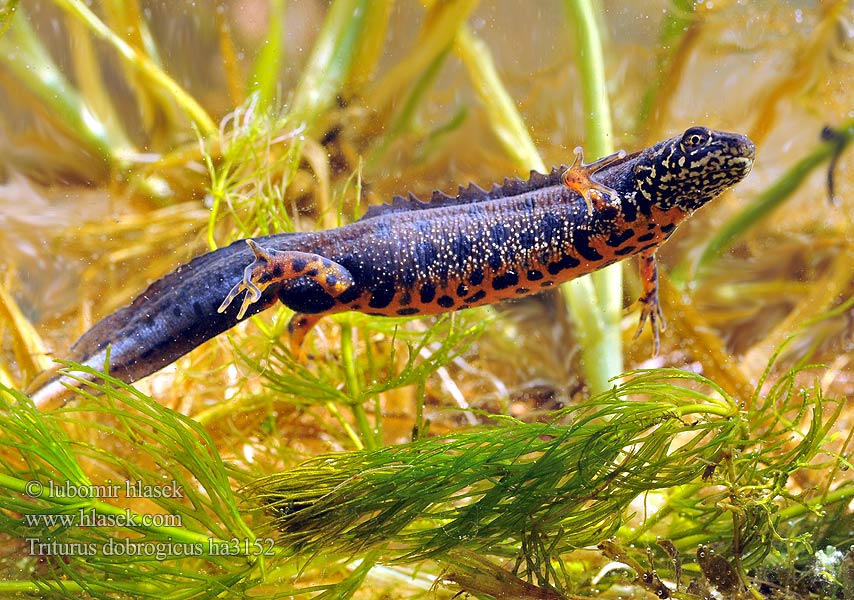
x,y
600,335
418,429
38,588
506,122
264,76
348,357
7,11
842,494
25,56
351,433
140,61
331,60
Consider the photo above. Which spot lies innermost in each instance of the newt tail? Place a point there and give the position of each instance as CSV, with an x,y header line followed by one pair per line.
x,y
419,258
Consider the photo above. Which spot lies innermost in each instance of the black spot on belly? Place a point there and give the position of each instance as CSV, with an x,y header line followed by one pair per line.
x,y
350,294
608,213
383,295
630,211
617,238
534,275
646,237
625,251
360,271
403,312
581,243
277,270
331,280
462,290
647,247
299,265
445,301
668,227
508,279
476,277
306,296
312,272
547,284
566,262
428,292
522,290
405,298
476,297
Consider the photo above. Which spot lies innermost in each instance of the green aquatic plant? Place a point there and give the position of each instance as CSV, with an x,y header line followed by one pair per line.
x,y
529,493
86,519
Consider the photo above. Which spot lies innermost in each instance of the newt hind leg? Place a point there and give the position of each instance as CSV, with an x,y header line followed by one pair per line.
x,y
579,178
298,327
277,267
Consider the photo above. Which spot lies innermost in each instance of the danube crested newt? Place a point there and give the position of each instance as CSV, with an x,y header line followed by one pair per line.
x,y
422,258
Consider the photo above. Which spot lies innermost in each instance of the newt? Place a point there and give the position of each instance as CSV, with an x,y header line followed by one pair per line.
x,y
411,257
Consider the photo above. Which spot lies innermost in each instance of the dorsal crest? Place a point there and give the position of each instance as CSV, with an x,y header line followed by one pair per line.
x,y
468,195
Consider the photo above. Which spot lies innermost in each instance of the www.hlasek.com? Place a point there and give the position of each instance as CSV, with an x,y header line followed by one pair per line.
x,y
93,518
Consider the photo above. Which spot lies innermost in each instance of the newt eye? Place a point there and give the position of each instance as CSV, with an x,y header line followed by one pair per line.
x,y
696,136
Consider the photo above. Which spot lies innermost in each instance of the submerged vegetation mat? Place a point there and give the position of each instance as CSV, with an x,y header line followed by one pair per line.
x,y
525,494
498,452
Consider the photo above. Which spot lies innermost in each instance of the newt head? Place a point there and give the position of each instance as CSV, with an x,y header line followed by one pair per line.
x,y
689,170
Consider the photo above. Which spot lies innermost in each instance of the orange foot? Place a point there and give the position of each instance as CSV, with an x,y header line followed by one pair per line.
x,y
579,178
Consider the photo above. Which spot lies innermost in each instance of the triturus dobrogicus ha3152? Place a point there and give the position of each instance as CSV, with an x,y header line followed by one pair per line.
x,y
422,258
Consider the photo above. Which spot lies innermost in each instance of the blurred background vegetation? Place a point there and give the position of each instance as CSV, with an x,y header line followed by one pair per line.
x,y
135,135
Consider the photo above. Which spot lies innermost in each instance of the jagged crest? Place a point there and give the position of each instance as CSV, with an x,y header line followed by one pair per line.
x,y
468,195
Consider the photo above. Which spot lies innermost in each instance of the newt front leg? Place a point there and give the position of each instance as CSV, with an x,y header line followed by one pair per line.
x,y
579,178
651,308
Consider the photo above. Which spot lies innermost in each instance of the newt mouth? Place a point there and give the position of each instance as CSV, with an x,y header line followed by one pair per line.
x,y
743,161
747,150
